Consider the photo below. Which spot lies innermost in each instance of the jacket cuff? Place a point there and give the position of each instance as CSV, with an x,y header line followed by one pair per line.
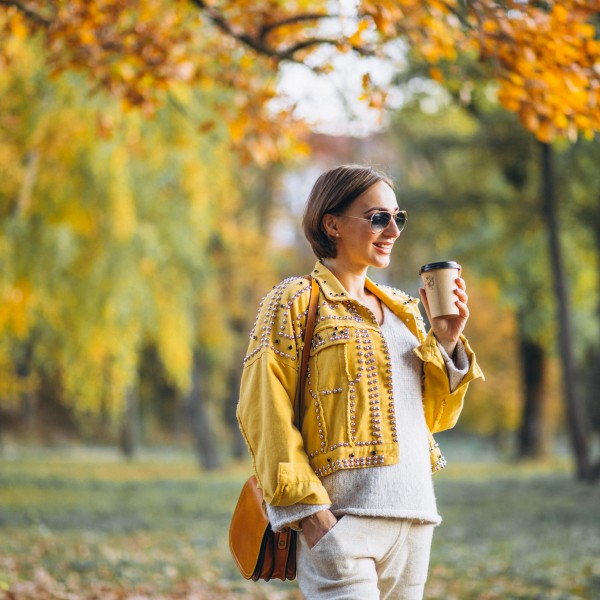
x,y
431,352
290,516
297,483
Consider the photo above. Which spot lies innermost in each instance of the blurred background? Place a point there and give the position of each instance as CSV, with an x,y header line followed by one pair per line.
x,y
155,158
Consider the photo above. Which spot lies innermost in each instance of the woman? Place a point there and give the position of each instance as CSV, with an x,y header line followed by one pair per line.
x,y
356,481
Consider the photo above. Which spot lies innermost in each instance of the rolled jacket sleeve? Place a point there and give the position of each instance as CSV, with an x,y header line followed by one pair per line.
x,y
266,418
442,404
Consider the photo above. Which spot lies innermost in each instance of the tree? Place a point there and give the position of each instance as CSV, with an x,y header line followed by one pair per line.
x,y
578,165
111,241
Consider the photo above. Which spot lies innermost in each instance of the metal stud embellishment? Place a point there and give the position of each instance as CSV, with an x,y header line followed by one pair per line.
x,y
274,309
348,463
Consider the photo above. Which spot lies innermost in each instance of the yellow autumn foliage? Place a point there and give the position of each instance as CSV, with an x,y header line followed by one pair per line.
x,y
122,210
123,241
17,303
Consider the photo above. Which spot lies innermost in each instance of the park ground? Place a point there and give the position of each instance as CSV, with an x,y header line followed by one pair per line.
x,y
82,524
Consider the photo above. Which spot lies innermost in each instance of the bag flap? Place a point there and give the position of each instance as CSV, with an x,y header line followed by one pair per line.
x,y
247,529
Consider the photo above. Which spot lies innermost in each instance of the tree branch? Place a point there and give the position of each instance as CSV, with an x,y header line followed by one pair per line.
x,y
221,23
267,29
259,43
289,53
460,15
30,14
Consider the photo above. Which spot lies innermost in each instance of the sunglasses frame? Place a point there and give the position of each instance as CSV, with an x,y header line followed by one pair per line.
x,y
392,216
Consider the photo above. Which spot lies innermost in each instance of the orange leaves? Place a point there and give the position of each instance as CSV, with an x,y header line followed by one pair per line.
x,y
14,28
374,96
386,15
546,59
138,51
547,66
356,39
545,55
16,25
431,27
132,49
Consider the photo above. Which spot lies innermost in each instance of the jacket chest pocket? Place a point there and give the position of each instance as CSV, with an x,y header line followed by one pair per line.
x,y
329,384
329,354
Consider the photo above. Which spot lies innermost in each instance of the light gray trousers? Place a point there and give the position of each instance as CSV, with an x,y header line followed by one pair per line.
x,y
366,558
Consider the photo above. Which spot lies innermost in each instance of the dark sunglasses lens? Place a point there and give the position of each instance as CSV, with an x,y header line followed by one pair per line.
x,y
400,219
379,221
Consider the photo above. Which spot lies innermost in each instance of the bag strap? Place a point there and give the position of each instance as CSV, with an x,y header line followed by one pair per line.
x,y
311,317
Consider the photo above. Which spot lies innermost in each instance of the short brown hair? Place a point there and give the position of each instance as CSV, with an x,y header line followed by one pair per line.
x,y
332,193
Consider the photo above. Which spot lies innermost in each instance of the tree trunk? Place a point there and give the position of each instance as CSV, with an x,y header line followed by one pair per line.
x,y
595,354
531,438
130,431
591,376
238,449
576,418
28,412
238,445
207,449
26,192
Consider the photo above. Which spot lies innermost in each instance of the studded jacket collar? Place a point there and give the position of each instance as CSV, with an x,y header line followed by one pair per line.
x,y
349,419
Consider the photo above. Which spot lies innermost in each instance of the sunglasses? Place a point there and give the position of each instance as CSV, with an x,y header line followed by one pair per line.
x,y
380,220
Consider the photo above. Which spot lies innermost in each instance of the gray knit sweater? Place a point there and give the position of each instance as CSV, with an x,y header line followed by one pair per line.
x,y
403,490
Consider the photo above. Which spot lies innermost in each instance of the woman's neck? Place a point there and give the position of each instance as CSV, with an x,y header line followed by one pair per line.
x,y
353,280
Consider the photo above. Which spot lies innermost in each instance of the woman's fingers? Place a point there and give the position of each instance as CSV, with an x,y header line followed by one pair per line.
x,y
425,303
460,291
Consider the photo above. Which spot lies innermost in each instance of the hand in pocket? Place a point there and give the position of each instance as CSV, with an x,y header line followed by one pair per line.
x,y
317,525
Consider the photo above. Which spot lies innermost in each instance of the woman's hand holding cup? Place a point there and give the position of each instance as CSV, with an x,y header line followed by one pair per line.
x,y
448,311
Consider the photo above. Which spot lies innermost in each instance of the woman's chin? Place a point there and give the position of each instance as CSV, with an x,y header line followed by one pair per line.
x,y
381,261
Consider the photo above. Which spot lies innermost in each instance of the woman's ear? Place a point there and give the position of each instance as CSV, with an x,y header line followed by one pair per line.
x,y
330,224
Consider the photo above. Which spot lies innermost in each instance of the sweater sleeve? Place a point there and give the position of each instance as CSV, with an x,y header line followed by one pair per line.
x,y
289,516
456,367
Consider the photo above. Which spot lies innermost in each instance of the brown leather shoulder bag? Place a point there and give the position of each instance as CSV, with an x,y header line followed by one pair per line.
x,y
257,550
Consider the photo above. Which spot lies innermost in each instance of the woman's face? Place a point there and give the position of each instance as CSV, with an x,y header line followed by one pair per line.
x,y
357,245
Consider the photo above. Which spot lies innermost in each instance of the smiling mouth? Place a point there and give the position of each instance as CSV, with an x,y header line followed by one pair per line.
x,y
384,245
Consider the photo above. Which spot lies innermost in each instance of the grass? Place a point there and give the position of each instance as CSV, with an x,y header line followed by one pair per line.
x,y
87,526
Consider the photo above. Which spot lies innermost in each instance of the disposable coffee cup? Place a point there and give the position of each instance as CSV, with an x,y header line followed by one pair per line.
x,y
439,281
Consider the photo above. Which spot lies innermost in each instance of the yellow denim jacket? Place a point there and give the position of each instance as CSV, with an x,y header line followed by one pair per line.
x,y
349,419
